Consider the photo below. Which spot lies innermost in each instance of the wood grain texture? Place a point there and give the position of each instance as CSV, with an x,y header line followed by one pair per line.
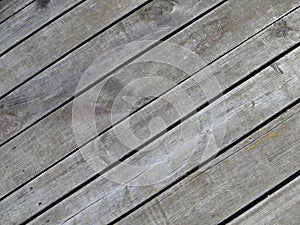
x,y
58,83
29,20
104,200
108,196
209,196
49,147
10,7
280,208
58,38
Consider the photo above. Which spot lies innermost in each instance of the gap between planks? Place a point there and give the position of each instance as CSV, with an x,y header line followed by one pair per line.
x,y
290,58
67,98
31,20
58,34
282,207
10,13
238,180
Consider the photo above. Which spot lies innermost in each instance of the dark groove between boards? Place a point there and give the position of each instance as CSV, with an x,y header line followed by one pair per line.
x,y
101,79
40,28
74,48
261,198
107,129
77,95
93,138
62,104
195,169
125,157
25,6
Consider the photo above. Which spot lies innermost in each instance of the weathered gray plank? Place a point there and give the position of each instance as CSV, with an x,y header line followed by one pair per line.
x,y
279,208
104,200
58,38
29,20
45,187
10,7
58,83
210,196
49,147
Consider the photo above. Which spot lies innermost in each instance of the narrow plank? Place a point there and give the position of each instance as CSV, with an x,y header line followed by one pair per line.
x,y
280,208
105,200
31,19
57,84
10,7
209,196
44,188
58,38
59,141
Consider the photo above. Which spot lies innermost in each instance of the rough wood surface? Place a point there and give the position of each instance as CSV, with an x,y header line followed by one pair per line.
x,y
279,208
241,117
30,19
49,147
55,40
58,83
10,7
210,196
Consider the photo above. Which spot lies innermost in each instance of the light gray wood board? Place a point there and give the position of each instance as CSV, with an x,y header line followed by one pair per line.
x,y
58,83
58,38
109,197
280,208
10,7
49,147
211,196
29,20
104,200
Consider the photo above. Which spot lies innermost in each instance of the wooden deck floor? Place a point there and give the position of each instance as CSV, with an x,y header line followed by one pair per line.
x,y
150,112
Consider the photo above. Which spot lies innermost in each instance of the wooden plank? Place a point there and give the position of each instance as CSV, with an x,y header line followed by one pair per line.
x,y
44,188
58,38
208,197
32,101
30,19
10,7
280,208
58,142
104,200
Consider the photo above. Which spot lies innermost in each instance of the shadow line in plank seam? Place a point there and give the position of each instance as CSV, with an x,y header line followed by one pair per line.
x,y
118,97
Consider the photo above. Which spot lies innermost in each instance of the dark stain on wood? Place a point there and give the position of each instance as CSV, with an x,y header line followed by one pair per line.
x,y
210,34
281,29
207,35
109,92
9,124
42,3
158,11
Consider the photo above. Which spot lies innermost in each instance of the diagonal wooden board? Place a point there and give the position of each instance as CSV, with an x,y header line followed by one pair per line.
x,y
65,171
104,200
208,197
9,8
40,144
280,208
57,84
51,43
30,19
